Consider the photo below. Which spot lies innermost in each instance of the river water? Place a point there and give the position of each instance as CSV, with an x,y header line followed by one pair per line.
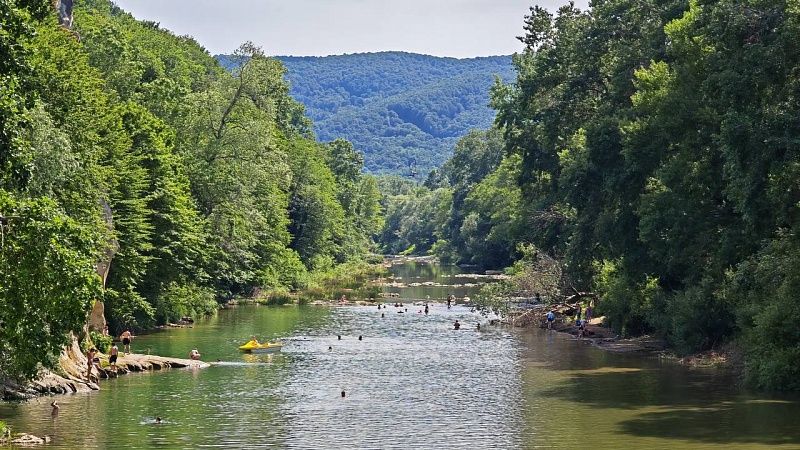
x,y
412,383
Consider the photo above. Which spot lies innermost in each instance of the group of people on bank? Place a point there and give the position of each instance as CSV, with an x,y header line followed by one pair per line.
x,y
93,355
582,319
93,358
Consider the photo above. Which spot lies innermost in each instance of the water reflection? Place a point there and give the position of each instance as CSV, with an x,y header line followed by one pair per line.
x,y
574,392
412,382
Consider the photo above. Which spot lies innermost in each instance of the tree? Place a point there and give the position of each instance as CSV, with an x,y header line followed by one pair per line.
x,y
47,283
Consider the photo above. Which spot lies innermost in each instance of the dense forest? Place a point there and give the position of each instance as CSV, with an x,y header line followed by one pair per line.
x,y
135,170
650,148
404,111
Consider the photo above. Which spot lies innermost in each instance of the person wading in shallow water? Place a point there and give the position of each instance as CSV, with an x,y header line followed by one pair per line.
x,y
456,325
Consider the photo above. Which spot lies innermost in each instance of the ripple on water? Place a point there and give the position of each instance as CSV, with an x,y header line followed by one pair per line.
x,y
413,382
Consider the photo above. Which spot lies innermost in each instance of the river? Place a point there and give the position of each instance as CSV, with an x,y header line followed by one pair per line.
x,y
412,382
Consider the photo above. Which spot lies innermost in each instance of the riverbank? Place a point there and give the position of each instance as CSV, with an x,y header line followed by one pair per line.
x,y
594,333
70,377
604,338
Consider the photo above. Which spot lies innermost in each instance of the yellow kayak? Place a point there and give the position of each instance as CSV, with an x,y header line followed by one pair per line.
x,y
256,347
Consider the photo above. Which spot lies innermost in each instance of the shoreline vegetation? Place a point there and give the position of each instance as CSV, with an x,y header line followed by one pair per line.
x,y
358,281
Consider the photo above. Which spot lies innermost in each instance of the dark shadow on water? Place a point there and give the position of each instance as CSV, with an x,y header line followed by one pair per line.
x,y
701,406
740,423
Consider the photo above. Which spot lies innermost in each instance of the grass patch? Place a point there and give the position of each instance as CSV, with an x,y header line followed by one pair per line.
x,y
352,280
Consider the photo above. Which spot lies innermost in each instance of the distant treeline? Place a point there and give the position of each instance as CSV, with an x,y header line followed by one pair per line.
x,y
404,111
653,147
123,146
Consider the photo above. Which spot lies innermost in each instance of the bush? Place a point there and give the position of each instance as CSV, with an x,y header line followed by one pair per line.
x,y
101,342
628,305
276,299
698,319
128,309
184,300
764,289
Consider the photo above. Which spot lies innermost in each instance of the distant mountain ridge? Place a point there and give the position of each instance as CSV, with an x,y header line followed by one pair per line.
x,y
403,110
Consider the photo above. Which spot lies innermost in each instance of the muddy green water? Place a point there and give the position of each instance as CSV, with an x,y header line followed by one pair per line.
x,y
412,383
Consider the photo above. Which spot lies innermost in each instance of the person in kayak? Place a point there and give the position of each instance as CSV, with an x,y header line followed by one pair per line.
x,y
253,342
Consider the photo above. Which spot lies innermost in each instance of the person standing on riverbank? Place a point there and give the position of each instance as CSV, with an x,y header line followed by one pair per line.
x,y
126,337
112,357
90,356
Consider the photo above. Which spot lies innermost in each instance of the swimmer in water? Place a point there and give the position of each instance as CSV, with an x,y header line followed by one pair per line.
x,y
158,419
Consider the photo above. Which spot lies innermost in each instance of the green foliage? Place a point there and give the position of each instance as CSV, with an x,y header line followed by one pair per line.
x,y
47,283
629,306
416,219
130,152
650,149
100,341
467,212
180,299
404,111
764,290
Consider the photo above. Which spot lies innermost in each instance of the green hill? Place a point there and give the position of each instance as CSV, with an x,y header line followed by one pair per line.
x,y
404,111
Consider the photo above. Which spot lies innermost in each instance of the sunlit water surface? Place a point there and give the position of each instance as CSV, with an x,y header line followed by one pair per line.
x,y
412,383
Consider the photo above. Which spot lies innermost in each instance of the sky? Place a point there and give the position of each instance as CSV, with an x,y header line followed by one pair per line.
x,y
457,28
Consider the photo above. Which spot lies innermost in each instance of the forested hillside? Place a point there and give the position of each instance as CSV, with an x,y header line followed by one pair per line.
x,y
136,170
404,111
651,149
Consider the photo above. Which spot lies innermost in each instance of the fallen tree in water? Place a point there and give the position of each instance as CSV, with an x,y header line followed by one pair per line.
x,y
533,282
